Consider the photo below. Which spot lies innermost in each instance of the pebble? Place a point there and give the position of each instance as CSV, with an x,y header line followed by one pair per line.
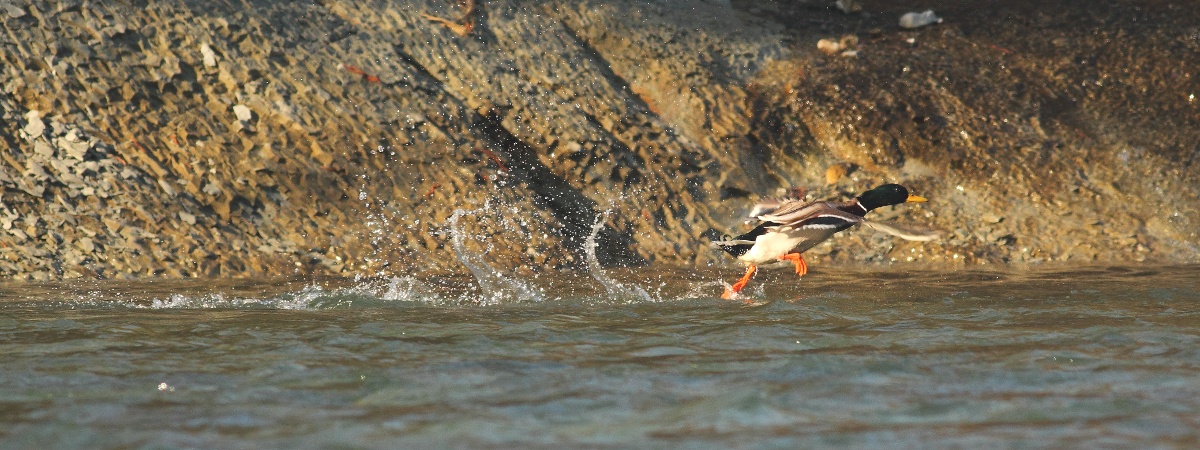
x,y
919,19
829,46
34,126
210,57
211,189
849,6
187,218
242,112
14,11
42,149
845,46
835,173
74,149
86,244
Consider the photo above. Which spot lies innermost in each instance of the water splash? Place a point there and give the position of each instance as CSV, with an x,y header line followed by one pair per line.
x,y
406,289
309,298
706,289
496,287
369,294
613,288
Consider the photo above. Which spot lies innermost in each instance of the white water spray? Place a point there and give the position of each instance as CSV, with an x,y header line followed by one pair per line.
x,y
614,289
496,287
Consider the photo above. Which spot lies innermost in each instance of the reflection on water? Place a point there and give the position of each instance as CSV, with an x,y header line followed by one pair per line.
x,y
1084,358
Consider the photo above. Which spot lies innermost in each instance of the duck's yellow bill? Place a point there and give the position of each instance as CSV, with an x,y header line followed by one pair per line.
x,y
915,199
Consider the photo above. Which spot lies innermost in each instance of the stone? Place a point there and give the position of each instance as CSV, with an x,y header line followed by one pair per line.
x,y
835,173
13,11
86,244
74,149
919,19
211,189
43,149
34,127
36,171
242,112
849,6
208,55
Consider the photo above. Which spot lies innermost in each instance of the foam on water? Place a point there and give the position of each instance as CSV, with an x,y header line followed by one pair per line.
x,y
311,297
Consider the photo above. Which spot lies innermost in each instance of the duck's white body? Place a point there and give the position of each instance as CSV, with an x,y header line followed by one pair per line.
x,y
770,246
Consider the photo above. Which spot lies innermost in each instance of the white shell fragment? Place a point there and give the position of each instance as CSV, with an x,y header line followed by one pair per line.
x,y
917,20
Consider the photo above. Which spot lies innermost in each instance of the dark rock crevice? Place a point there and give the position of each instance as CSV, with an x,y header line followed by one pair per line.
x,y
571,207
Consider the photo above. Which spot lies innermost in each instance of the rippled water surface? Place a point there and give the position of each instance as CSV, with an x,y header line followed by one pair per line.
x,y
1085,359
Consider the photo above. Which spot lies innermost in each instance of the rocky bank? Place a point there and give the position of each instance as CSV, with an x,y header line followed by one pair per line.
x,y
239,138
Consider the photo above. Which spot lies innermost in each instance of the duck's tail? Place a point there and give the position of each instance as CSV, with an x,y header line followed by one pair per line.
x,y
733,246
738,246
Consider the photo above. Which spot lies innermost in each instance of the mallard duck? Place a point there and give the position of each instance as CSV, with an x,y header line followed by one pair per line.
x,y
790,226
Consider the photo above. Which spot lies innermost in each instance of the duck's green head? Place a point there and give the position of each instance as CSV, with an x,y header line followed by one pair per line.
x,y
887,195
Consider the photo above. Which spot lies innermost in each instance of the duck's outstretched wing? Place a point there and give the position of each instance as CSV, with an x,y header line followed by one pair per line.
x,y
804,216
764,206
767,205
902,232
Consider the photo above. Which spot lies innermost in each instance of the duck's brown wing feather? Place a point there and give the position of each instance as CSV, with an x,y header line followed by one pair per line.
x,y
823,215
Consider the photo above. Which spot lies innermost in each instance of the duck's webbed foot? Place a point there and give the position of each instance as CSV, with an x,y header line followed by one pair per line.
x,y
732,291
795,258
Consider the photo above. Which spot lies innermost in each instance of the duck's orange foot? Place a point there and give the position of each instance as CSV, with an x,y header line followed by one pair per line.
x,y
795,258
729,293
732,291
